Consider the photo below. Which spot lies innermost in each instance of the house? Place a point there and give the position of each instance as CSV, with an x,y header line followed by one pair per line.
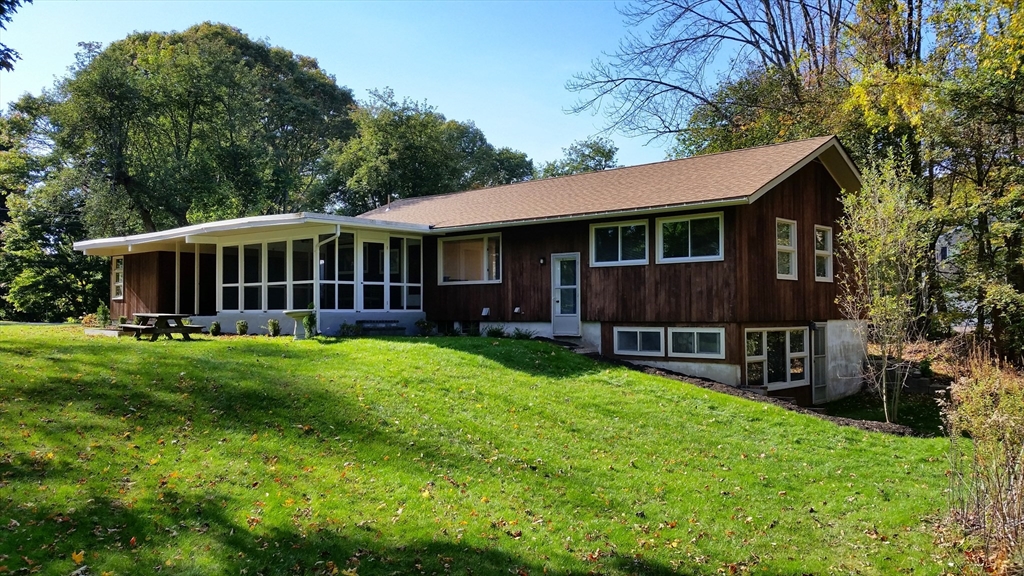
x,y
719,266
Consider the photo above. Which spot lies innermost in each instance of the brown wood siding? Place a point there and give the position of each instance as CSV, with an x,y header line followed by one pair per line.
x,y
148,284
810,197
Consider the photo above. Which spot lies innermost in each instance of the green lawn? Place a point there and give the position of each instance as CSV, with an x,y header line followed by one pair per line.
x,y
440,455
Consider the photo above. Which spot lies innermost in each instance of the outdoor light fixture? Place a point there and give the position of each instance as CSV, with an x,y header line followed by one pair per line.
x,y
486,312
541,260
517,310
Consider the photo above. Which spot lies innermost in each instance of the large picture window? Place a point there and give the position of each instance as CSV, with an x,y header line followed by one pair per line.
x,y
619,244
785,249
822,254
117,285
474,260
630,341
696,342
777,358
696,238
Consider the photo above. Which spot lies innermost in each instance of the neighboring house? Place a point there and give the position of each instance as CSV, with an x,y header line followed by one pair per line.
x,y
718,266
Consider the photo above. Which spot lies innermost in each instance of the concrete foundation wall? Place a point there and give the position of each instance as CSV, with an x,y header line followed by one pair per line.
x,y
845,358
330,321
724,373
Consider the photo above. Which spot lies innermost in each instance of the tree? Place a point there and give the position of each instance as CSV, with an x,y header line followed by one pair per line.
x,y
199,125
590,155
407,149
8,56
881,247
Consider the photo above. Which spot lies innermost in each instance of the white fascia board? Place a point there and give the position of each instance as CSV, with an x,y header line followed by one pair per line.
x,y
102,246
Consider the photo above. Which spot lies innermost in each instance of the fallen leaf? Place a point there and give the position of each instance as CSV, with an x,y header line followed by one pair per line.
x,y
78,557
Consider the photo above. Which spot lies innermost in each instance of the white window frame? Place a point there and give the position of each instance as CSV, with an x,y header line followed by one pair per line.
x,y
696,330
262,284
660,244
221,285
620,262
763,358
780,249
638,329
483,239
823,254
117,278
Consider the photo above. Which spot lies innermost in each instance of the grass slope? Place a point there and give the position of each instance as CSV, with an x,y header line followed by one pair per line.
x,y
441,455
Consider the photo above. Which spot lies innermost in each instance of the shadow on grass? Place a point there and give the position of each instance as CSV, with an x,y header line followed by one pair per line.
x,y
918,410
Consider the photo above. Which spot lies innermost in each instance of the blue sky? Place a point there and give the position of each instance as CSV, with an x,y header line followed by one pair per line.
x,y
501,64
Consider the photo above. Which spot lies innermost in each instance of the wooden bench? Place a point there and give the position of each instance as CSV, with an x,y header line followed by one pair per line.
x,y
380,328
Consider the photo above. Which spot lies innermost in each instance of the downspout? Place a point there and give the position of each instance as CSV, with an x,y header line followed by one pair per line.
x,y
316,272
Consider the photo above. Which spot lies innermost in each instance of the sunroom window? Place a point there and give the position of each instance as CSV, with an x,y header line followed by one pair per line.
x,y
622,243
470,260
690,238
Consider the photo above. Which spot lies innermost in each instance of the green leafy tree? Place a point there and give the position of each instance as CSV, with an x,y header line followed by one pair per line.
x,y
8,55
590,155
407,149
882,245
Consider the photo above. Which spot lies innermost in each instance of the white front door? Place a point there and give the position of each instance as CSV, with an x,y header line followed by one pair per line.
x,y
565,300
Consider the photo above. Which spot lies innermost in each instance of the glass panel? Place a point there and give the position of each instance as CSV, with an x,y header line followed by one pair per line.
x,y
675,239
755,346
373,263
494,258
396,298
709,343
755,373
777,365
327,296
783,234
796,341
118,263
397,268
682,343
373,297
415,262
253,297
347,257
821,266
819,341
627,341
566,300
567,272
302,260
412,298
230,298
277,297
785,264
634,242
462,260
302,294
328,270
346,297
277,262
822,240
705,236
796,369
650,342
230,268
252,267
606,244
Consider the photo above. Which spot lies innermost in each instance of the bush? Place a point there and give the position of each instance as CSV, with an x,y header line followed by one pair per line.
x,y
214,328
426,327
242,327
122,319
521,334
309,323
90,320
985,417
925,367
496,331
274,327
347,329
103,314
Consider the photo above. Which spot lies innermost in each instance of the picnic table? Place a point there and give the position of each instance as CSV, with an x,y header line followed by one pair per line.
x,y
154,324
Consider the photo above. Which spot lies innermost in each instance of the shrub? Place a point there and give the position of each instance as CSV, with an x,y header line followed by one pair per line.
x,y
214,328
90,320
496,331
309,323
426,327
242,327
521,334
347,329
985,417
274,327
103,314
925,367
122,319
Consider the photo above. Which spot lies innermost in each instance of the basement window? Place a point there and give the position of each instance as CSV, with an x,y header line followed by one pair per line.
x,y
631,341
470,260
696,342
619,244
777,358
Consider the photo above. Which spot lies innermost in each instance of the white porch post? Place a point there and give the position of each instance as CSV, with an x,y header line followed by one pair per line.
x,y
195,309
177,278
